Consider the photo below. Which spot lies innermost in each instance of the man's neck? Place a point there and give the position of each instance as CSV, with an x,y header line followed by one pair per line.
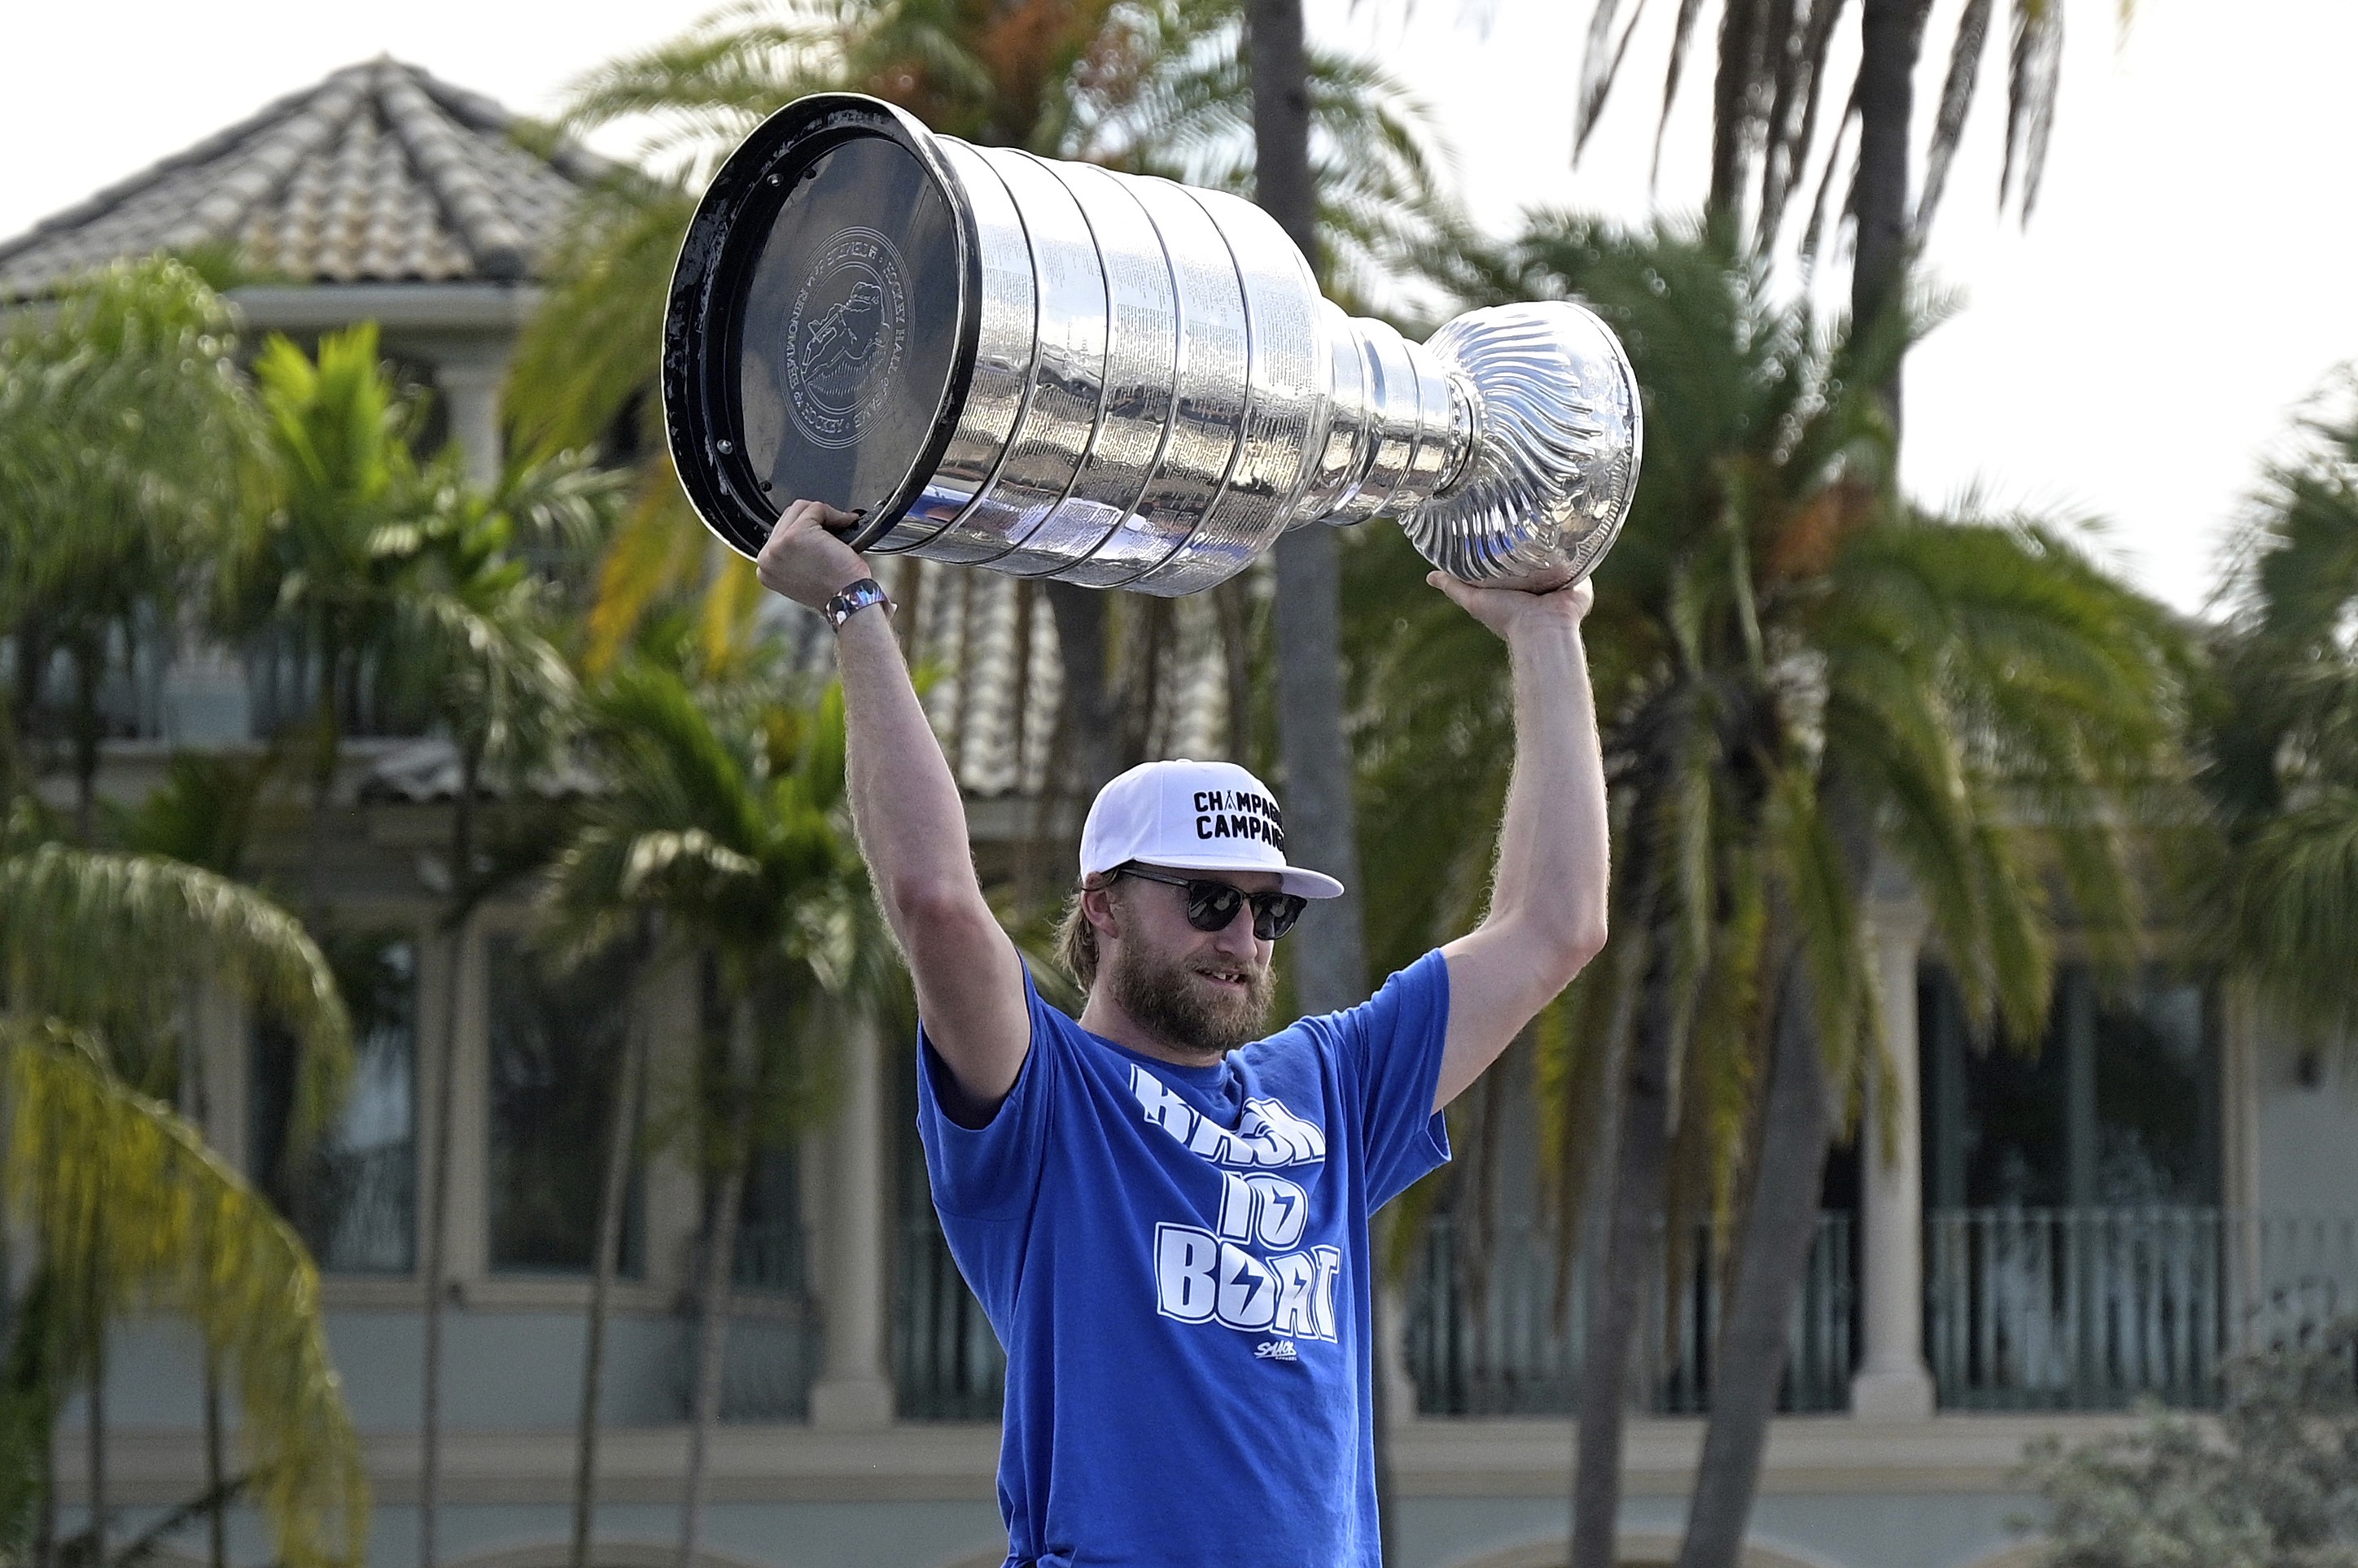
x,y
1103,1017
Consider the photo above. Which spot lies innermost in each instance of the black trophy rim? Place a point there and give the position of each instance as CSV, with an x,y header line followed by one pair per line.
x,y
702,416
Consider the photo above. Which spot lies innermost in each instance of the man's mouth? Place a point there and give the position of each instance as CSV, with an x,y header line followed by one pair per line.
x,y
1234,979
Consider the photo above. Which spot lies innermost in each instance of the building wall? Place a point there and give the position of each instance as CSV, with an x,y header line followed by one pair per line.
x,y
2306,1117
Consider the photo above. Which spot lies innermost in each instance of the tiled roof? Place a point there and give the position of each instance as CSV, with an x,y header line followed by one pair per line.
x,y
378,174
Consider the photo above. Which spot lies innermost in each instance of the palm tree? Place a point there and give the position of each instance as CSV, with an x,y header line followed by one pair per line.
x,y
127,450
721,837
204,816
2279,734
1797,673
317,570
475,636
1770,89
126,1205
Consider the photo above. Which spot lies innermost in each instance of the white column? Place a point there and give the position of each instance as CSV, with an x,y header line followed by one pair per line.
x,y
854,1388
671,998
1892,1381
222,1038
1391,1307
454,961
470,383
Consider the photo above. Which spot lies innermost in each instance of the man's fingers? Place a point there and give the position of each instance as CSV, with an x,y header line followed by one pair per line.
x,y
1455,589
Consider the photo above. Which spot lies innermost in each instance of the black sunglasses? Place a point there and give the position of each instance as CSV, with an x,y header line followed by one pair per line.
x,y
1211,906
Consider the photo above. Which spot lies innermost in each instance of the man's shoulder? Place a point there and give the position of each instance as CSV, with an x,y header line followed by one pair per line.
x,y
1421,980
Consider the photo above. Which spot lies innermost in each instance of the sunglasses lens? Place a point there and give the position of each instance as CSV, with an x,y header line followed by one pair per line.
x,y
1211,906
1275,912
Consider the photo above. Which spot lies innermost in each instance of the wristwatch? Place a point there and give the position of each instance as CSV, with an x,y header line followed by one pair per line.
x,y
855,599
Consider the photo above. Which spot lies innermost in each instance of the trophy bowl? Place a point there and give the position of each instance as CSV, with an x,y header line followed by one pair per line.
x,y
1051,369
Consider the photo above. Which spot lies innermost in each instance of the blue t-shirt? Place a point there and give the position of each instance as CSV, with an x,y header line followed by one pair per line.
x,y
1177,1259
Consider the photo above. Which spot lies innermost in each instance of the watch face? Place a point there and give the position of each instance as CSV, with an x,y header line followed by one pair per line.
x,y
850,329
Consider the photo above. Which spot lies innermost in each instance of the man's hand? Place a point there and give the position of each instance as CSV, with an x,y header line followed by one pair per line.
x,y
805,559
1501,608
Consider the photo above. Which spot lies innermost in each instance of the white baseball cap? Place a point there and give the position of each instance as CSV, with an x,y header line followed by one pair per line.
x,y
1194,816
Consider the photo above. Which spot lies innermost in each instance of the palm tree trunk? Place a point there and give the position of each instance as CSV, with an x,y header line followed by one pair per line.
x,y
88,664
32,665
94,1303
1779,1228
1742,30
1231,602
1629,1265
45,1530
1091,720
437,1222
199,1100
719,1264
216,1470
1891,32
614,1192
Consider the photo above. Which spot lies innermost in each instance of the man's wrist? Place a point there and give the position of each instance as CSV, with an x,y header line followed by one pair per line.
x,y
861,593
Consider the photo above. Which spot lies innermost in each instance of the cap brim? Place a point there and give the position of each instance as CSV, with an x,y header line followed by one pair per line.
x,y
1308,883
1296,880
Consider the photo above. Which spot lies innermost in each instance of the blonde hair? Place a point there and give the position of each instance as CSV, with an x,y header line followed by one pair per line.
x,y
1076,939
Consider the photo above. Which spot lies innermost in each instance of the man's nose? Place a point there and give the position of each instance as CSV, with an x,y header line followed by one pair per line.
x,y
1237,937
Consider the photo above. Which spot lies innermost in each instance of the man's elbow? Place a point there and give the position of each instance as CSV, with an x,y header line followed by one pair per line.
x,y
924,909
1587,943
1571,946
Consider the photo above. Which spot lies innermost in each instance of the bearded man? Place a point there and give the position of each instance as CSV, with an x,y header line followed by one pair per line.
x,y
1164,1212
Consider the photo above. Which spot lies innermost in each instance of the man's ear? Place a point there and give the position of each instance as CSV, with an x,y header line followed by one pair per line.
x,y
1100,908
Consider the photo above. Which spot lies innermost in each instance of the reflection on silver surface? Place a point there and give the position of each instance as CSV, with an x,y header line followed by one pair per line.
x,y
1158,391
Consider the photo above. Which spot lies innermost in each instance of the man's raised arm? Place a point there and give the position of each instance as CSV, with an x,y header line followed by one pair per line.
x,y
912,825
1548,904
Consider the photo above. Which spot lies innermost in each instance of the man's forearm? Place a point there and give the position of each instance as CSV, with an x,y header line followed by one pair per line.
x,y
905,804
1552,843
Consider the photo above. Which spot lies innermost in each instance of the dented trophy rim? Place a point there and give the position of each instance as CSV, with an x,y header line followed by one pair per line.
x,y
703,333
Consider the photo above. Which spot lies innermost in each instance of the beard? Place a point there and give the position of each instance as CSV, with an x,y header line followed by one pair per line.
x,y
1164,995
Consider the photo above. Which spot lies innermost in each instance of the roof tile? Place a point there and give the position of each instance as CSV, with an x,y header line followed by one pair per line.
x,y
379,173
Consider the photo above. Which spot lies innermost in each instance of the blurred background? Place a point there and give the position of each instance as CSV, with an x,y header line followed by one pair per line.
x,y
458,1095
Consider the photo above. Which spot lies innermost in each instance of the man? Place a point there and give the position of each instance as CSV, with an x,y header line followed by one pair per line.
x,y
1166,1217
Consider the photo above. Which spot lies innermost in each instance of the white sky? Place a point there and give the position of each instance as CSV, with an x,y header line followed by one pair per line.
x,y
2190,278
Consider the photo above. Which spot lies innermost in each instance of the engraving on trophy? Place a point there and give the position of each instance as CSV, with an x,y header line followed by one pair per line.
x,y
847,337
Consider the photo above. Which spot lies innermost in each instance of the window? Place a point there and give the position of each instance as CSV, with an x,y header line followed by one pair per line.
x,y
555,1046
354,1195
2119,1107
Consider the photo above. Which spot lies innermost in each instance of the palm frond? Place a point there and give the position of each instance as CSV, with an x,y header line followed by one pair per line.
x,y
116,943
119,1190
1956,101
2034,76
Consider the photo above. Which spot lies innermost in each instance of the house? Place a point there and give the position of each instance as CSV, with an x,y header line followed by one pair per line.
x,y
2025,1244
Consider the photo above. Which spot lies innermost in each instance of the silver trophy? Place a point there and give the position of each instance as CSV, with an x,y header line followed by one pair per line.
x,y
1053,370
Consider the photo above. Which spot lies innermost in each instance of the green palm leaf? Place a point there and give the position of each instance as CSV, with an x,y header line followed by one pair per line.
x,y
118,944
121,1191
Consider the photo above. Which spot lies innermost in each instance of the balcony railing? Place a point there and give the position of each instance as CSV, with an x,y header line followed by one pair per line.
x,y
1510,1344
2097,1308
770,1355
946,1363
2024,1309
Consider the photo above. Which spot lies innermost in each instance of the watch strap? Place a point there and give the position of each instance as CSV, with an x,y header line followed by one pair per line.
x,y
854,599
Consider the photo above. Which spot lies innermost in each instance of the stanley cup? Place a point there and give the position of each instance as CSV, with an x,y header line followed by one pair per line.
x,y
1053,370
